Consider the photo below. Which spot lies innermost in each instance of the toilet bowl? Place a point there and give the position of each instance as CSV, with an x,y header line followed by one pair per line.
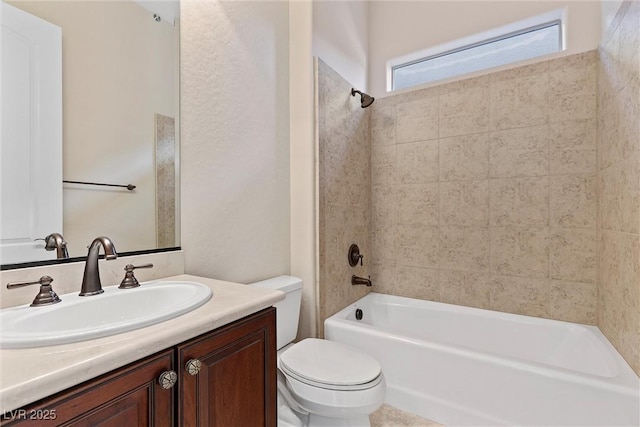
x,y
320,382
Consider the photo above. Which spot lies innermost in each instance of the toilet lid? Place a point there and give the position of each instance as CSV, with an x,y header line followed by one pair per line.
x,y
329,363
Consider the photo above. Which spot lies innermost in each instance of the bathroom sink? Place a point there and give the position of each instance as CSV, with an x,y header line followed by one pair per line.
x,y
79,318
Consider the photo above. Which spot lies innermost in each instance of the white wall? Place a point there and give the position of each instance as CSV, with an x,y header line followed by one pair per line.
x,y
340,38
235,139
303,162
398,28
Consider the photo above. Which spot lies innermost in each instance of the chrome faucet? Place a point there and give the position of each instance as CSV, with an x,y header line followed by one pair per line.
x,y
91,280
355,280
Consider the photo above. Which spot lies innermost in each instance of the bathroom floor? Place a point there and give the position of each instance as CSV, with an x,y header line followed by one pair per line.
x,y
388,416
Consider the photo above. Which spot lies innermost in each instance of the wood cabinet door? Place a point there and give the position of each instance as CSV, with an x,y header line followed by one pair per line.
x,y
127,397
236,384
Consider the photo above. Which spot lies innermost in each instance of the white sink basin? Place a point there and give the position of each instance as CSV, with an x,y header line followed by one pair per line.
x,y
79,318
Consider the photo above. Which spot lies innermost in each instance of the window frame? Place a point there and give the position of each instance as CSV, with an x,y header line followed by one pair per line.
x,y
551,23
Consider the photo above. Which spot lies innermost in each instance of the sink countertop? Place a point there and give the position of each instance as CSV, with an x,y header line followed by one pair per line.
x,y
30,374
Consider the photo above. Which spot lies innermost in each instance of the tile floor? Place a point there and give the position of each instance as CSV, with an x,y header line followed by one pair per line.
x,y
388,416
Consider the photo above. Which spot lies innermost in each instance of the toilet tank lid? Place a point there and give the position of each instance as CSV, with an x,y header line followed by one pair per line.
x,y
281,283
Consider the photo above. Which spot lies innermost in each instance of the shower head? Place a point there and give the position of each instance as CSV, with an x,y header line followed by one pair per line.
x,y
365,100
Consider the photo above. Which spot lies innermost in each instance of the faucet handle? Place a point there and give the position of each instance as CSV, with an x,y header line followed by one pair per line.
x,y
130,280
46,296
354,255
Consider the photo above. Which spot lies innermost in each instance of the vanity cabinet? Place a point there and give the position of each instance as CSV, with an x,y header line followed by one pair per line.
x,y
226,377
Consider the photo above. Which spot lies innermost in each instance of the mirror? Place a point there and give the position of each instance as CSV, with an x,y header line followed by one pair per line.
x,y
119,121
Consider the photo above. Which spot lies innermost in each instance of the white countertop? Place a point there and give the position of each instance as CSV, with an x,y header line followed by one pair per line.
x,y
30,374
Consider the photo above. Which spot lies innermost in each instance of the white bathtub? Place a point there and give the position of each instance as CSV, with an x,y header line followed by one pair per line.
x,y
465,366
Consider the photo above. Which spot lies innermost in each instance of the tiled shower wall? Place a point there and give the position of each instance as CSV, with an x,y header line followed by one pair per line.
x,y
165,181
619,183
484,191
344,191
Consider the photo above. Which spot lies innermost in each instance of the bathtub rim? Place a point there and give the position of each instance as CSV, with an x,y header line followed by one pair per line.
x,y
625,382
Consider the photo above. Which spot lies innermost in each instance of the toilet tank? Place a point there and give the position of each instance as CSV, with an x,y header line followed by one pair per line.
x,y
287,310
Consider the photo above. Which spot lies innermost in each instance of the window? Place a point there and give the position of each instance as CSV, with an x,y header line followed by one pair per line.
x,y
516,46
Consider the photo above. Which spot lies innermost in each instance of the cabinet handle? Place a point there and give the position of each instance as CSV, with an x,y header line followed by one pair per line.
x,y
193,366
168,379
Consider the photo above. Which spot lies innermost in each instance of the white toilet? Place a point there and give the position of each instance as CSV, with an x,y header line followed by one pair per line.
x,y
320,382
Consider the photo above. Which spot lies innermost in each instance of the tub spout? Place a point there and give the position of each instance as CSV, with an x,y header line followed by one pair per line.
x,y
355,280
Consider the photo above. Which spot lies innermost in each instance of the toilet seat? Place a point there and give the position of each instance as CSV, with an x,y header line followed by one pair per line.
x,y
330,365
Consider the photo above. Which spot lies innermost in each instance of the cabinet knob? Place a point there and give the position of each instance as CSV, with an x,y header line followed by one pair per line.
x,y
193,366
168,379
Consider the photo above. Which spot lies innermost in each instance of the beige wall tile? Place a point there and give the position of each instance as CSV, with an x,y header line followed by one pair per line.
x,y
619,189
574,74
383,123
467,288
520,295
609,147
630,326
619,292
574,201
519,201
572,83
572,147
382,277
573,255
416,246
383,245
345,215
609,54
520,100
383,218
383,164
417,120
464,203
421,283
417,204
573,107
573,301
520,251
383,205
519,152
609,316
514,74
464,248
414,95
418,256
464,157
618,126
629,345
629,124
464,109
619,262
417,162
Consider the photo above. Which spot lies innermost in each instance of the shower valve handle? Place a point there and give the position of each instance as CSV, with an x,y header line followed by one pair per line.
x,y
354,255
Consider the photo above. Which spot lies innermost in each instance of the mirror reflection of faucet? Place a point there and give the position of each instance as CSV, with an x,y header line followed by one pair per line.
x,y
55,241
91,280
